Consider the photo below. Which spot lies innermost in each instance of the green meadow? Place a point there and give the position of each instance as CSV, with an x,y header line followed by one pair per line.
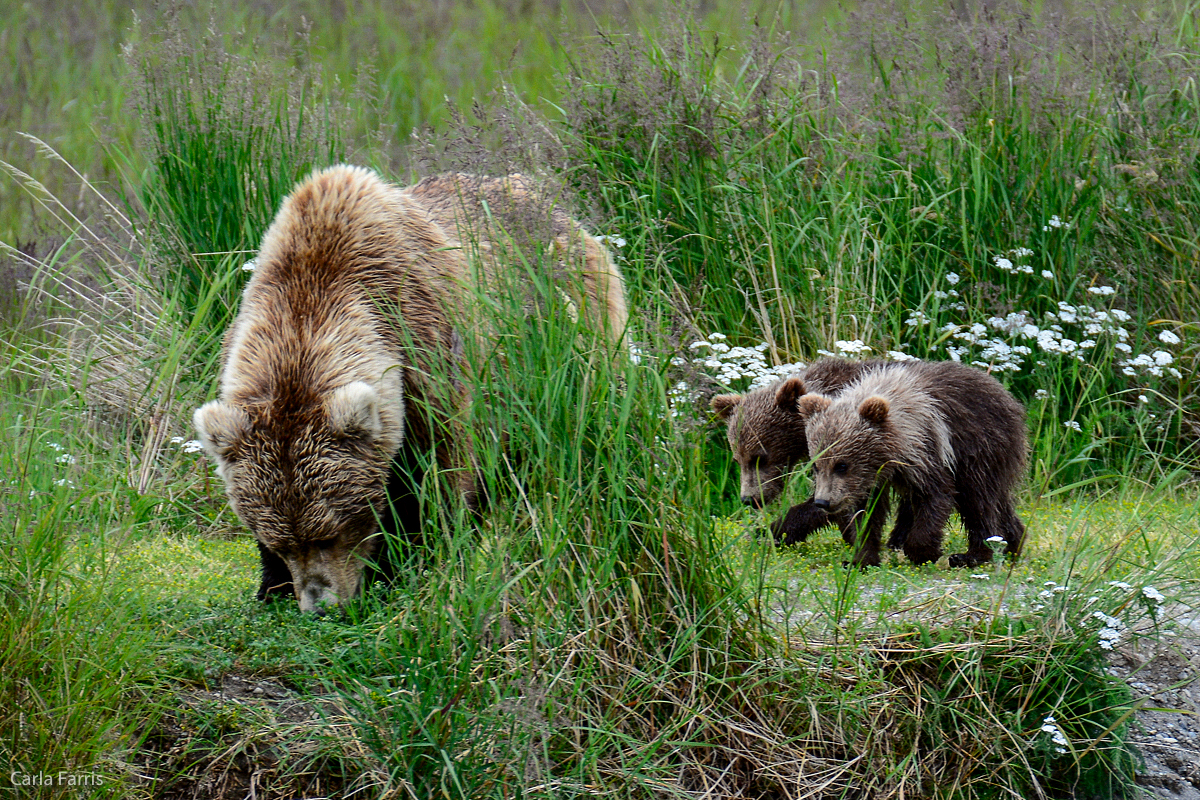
x,y
1013,186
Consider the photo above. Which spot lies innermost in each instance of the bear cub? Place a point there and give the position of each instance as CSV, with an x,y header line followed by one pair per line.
x,y
767,437
942,435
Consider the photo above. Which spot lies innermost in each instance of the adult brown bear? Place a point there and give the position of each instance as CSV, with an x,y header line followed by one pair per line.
x,y
346,355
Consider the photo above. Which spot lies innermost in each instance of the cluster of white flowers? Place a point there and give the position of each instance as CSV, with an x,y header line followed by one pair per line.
x,y
62,457
1055,223
1155,599
994,354
187,445
1050,726
1151,364
1110,634
611,240
1005,344
729,365
1006,265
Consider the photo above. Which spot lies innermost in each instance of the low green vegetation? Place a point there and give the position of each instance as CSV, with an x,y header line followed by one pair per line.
x,y
1011,190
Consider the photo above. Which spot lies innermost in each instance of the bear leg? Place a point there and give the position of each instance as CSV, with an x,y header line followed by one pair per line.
x,y
798,523
863,531
276,577
904,523
983,520
930,515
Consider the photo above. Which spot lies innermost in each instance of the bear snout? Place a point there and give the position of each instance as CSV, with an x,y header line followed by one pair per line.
x,y
821,503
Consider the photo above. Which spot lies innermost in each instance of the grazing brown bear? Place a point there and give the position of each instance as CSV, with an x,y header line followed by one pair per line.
x,y
344,360
942,435
768,439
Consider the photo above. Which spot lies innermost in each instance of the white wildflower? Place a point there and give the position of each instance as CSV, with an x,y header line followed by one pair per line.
x,y
952,278
856,346
1041,394
1120,585
1104,291
250,265
1055,222
191,446
1050,726
1047,274
1168,337
1073,425
1162,358
1153,594
1021,252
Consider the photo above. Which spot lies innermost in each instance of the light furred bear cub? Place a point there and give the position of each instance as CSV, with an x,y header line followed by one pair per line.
x,y
344,366
767,437
942,435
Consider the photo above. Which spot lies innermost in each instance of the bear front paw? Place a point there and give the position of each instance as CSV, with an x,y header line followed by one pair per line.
x,y
798,523
958,560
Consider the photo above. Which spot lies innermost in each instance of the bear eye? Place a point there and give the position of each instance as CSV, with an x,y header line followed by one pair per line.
x,y
841,468
758,462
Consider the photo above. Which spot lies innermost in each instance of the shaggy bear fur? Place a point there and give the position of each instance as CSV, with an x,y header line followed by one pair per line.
x,y
942,435
344,366
768,439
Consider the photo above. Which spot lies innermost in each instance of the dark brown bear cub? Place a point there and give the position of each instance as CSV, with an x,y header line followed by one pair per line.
x,y
768,440
942,435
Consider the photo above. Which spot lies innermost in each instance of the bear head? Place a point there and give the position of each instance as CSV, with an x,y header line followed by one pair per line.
x,y
308,479
852,449
767,436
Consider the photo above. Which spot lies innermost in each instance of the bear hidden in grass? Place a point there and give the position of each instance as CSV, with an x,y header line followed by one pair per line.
x,y
942,435
768,439
345,363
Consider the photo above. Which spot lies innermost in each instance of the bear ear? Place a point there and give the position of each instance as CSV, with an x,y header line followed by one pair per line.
x,y
788,393
811,404
724,404
353,410
874,409
222,427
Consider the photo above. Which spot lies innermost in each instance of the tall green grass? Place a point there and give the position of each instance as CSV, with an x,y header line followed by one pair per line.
x,y
809,196
75,693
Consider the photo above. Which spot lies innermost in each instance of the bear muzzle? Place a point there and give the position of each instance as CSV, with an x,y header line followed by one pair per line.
x,y
324,579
